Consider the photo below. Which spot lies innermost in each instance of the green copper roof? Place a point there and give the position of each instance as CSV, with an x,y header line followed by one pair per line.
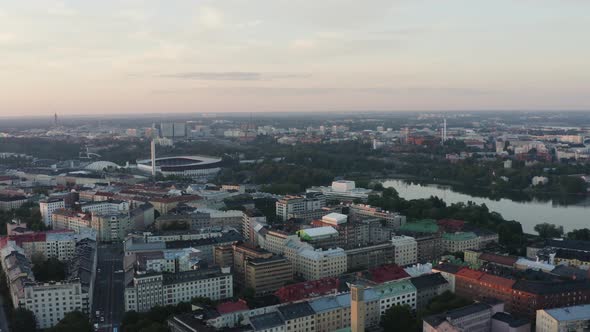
x,y
459,236
420,226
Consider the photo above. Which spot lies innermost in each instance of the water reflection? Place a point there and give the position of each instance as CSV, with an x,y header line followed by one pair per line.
x,y
572,215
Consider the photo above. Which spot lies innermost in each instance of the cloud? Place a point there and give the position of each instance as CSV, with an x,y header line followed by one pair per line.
x,y
306,91
132,15
233,76
302,44
6,37
210,18
61,9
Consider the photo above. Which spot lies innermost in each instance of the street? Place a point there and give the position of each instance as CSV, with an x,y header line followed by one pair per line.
x,y
109,288
3,318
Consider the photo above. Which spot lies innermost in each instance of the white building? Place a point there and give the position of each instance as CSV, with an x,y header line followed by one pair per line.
x,y
406,250
105,207
342,190
150,289
568,319
48,206
50,302
291,205
313,264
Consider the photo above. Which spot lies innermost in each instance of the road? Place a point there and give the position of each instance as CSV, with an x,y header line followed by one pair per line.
x,y
3,318
108,287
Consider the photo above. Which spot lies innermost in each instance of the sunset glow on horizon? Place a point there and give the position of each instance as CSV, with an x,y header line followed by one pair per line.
x,y
156,56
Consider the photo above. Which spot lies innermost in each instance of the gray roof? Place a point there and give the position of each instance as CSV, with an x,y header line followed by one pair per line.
x,y
510,320
466,311
296,310
266,321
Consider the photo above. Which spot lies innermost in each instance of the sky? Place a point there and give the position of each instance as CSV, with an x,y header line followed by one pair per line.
x,y
203,56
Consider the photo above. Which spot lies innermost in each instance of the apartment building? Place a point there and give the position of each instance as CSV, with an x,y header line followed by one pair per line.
x,y
393,220
8,203
266,275
313,264
460,241
48,206
406,250
50,302
111,227
68,219
291,205
427,287
250,220
148,289
371,256
565,319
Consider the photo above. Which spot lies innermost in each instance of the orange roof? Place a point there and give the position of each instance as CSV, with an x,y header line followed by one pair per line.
x,y
497,281
469,273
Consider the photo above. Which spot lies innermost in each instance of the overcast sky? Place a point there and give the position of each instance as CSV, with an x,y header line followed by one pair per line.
x,y
123,56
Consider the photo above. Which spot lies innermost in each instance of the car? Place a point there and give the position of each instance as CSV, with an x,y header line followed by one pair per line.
x,y
102,319
119,271
98,270
97,313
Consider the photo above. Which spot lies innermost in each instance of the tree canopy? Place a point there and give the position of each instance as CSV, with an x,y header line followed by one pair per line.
x,y
547,230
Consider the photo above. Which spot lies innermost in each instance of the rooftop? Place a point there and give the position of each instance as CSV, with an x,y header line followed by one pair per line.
x,y
310,233
510,320
459,236
420,226
296,310
428,281
578,312
266,321
468,310
228,307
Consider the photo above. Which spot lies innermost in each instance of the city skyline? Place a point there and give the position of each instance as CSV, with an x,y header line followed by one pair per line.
x,y
132,56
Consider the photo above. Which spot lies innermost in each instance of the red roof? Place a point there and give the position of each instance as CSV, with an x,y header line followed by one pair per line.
x,y
385,273
227,307
308,289
469,273
498,281
451,225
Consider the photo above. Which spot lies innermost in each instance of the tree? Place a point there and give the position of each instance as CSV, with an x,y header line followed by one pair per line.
x,y
74,321
579,234
23,320
547,230
399,318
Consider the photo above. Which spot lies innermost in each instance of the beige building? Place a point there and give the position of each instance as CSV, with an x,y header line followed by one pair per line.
x,y
266,275
406,250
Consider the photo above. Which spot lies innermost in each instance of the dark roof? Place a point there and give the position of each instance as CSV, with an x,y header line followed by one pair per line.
x,y
570,272
12,198
545,287
266,321
185,276
448,267
498,259
231,236
573,254
428,281
435,320
569,244
180,322
468,310
510,320
296,310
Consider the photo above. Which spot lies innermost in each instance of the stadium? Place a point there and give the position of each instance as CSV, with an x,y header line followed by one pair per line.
x,y
187,166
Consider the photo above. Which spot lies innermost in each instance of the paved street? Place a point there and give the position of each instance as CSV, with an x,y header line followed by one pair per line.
x,y
3,318
108,289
